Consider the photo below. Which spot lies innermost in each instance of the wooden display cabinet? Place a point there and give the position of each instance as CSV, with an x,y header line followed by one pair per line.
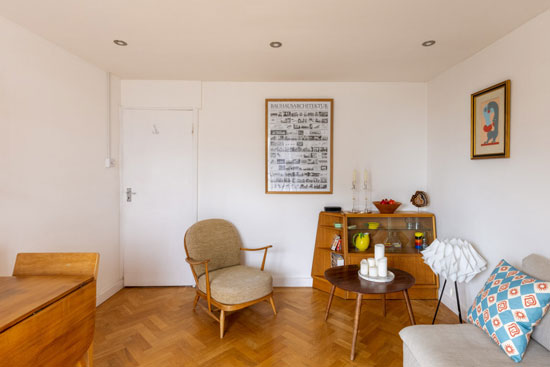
x,y
401,225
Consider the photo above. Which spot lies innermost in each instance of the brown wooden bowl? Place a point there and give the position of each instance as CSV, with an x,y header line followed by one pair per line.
x,y
386,208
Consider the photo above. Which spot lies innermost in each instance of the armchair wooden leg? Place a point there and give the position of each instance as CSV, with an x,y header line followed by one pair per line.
x,y
196,300
222,323
273,306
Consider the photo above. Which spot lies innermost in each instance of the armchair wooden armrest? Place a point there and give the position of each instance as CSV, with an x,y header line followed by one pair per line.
x,y
258,249
196,262
205,263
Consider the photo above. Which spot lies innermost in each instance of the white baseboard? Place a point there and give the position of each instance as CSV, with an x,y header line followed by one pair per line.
x,y
292,282
449,300
277,282
104,296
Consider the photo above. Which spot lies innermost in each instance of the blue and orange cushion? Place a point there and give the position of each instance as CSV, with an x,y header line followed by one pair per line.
x,y
509,306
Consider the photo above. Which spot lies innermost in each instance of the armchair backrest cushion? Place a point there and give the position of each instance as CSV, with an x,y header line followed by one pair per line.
x,y
214,239
539,267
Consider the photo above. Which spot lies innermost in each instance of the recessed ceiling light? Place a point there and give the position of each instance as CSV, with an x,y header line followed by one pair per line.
x,y
120,43
275,44
428,43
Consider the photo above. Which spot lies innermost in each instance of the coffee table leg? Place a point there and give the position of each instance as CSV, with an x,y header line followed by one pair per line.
x,y
356,324
409,307
330,301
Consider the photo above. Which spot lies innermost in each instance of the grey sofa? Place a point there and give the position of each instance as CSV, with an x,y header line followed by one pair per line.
x,y
466,345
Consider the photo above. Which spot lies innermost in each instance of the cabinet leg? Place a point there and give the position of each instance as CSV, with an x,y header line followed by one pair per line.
x,y
384,304
91,355
356,324
330,297
409,307
87,360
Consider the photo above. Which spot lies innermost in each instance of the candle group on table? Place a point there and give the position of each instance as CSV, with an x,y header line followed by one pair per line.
x,y
377,266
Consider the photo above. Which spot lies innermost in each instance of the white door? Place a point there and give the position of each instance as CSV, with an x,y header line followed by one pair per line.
x,y
158,196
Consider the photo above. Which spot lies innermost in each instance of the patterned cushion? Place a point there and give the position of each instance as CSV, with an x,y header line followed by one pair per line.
x,y
509,306
539,267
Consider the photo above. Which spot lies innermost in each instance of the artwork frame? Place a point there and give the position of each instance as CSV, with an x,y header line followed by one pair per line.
x,y
299,145
490,122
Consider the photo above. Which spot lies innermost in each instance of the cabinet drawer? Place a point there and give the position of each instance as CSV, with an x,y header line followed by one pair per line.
x,y
415,266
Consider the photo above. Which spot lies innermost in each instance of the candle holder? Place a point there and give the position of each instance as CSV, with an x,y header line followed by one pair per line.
x,y
366,209
355,198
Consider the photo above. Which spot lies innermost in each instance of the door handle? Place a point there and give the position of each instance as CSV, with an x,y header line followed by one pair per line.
x,y
129,194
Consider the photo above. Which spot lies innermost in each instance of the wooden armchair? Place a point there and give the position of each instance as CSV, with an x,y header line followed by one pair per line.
x,y
213,249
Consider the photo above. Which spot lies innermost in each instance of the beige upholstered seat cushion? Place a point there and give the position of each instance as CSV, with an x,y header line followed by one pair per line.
x,y
539,267
463,345
214,239
237,284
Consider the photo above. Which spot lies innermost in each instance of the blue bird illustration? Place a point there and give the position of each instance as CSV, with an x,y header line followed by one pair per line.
x,y
491,125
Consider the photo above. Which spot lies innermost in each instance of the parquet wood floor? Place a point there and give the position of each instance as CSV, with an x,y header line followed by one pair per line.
x,y
157,327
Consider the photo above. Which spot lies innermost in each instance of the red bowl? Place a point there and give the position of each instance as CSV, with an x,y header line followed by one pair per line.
x,y
386,208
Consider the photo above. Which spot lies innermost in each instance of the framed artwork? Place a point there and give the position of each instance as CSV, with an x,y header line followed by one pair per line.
x,y
298,146
491,122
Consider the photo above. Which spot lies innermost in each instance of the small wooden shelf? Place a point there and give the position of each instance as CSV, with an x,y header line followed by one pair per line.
x,y
370,252
331,227
392,229
407,258
330,250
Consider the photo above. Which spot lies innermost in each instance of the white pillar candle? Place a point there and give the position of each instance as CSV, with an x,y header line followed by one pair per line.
x,y
364,267
373,271
372,261
378,251
382,267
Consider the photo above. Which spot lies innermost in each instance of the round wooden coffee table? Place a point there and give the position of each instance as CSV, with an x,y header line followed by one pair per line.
x,y
346,278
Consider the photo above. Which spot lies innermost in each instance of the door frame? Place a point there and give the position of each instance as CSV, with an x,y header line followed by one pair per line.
x,y
195,167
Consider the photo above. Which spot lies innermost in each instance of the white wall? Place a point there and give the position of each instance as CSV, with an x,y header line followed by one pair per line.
x,y
500,205
378,126
177,94
55,194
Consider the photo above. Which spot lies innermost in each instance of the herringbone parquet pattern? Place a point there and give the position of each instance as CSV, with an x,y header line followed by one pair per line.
x,y
157,327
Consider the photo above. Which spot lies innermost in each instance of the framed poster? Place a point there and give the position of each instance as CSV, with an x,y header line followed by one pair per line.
x,y
298,146
491,122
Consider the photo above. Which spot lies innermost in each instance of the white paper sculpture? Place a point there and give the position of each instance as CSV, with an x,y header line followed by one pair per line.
x,y
454,260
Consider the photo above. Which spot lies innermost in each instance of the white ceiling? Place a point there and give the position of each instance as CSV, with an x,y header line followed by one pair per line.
x,y
323,40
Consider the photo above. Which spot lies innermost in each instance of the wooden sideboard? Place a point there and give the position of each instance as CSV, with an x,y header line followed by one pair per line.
x,y
402,225
47,320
